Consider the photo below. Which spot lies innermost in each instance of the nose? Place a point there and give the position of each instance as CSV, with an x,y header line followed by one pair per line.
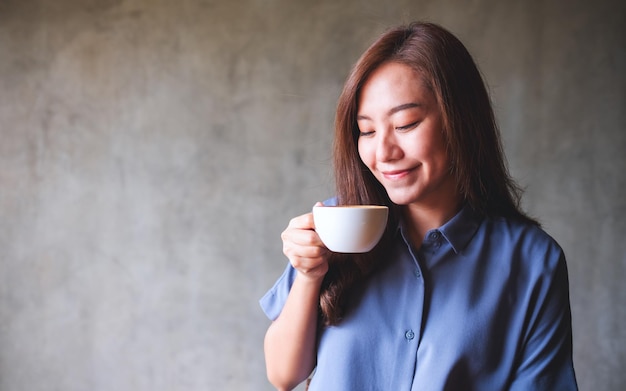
x,y
387,148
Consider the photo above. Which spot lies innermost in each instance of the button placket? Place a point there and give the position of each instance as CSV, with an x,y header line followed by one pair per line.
x,y
410,333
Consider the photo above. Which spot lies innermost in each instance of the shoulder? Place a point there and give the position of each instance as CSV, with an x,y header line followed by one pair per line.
x,y
522,231
330,202
527,242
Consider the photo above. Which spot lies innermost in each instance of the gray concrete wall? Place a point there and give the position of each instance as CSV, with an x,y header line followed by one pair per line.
x,y
151,152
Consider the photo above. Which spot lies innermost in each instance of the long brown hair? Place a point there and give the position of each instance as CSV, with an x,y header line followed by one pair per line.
x,y
470,132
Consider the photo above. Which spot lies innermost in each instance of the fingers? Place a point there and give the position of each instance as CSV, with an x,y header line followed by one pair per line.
x,y
306,256
303,247
297,252
300,240
304,221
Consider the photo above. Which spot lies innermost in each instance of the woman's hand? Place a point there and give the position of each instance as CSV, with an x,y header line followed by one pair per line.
x,y
304,248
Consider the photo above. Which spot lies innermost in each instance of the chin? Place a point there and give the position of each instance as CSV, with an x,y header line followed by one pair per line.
x,y
402,199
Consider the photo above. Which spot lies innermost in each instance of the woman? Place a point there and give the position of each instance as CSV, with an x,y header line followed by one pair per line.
x,y
464,291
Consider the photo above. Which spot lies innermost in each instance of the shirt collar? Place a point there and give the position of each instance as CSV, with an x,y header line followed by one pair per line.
x,y
459,230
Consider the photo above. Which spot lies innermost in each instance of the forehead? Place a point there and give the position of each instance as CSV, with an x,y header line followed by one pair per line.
x,y
391,84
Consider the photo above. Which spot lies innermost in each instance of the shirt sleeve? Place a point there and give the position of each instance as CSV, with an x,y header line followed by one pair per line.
x,y
273,301
546,359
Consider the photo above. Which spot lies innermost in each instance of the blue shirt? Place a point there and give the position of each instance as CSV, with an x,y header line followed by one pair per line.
x,y
482,305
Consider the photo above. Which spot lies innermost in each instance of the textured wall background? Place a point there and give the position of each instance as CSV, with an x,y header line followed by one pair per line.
x,y
152,151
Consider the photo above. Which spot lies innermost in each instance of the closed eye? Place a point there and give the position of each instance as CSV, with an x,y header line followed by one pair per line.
x,y
365,134
407,127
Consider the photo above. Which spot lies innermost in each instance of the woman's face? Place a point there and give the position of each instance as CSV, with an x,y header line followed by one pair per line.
x,y
401,139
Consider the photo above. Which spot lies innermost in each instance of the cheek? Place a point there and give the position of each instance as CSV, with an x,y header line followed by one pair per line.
x,y
363,152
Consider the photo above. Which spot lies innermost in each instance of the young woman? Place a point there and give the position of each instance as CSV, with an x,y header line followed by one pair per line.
x,y
464,291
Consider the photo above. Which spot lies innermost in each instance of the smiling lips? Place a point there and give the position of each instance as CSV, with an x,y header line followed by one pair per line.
x,y
396,174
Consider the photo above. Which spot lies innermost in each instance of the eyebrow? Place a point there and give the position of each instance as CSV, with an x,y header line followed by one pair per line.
x,y
393,110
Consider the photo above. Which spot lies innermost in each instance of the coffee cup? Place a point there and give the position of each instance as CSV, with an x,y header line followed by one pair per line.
x,y
350,228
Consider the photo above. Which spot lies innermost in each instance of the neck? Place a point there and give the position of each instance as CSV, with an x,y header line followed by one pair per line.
x,y
420,219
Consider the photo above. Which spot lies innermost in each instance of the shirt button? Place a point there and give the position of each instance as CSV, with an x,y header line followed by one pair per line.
x,y
418,274
434,235
409,335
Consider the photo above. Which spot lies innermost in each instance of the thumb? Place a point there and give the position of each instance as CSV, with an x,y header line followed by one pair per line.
x,y
318,203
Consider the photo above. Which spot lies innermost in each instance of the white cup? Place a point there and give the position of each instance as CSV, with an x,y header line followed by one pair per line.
x,y
350,229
